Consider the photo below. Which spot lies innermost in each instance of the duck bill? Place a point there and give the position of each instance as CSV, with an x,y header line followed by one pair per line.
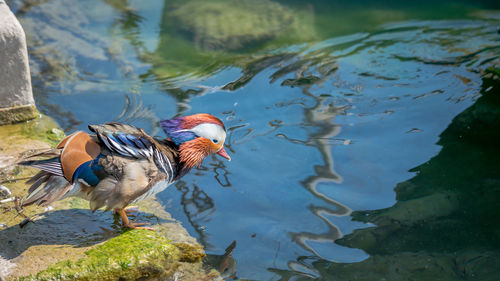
x,y
222,152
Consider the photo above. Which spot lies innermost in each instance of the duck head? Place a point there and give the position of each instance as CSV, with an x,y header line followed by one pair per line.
x,y
197,137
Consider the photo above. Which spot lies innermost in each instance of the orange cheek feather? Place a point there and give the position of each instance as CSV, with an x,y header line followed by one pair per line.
x,y
192,152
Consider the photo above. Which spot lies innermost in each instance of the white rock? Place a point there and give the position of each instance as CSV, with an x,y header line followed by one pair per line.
x,y
5,267
15,79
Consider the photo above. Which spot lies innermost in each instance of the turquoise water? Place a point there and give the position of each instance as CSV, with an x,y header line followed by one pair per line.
x,y
364,137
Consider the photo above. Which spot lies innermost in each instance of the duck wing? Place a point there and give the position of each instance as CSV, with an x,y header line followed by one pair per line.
x,y
125,140
129,141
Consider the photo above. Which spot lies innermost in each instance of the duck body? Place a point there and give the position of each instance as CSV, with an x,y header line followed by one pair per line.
x,y
120,164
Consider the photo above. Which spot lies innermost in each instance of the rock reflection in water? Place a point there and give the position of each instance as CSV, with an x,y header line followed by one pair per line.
x,y
224,263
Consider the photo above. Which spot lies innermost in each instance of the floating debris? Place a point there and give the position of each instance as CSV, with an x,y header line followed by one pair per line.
x,y
11,199
30,219
4,191
24,222
464,80
415,130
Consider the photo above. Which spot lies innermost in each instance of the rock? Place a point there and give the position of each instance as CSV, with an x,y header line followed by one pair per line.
x,y
16,97
69,242
129,256
232,25
5,267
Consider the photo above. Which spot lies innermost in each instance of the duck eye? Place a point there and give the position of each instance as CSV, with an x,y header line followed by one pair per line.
x,y
215,141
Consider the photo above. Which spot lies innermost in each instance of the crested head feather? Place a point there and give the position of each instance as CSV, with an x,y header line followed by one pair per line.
x,y
174,131
191,121
197,136
179,129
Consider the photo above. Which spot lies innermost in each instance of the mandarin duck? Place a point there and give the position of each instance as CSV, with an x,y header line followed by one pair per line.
x,y
120,164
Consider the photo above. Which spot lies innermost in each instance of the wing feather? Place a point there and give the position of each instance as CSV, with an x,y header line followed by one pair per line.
x,y
129,141
123,139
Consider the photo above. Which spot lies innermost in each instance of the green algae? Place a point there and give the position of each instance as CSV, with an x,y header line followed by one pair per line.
x,y
132,255
44,129
78,203
190,253
18,138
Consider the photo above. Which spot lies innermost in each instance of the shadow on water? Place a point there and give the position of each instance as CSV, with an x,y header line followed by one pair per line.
x,y
75,227
444,225
63,227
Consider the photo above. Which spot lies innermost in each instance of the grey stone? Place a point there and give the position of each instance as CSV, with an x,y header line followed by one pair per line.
x,y
16,97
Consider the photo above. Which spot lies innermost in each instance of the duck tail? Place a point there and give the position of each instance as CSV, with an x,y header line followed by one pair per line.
x,y
52,166
45,189
49,184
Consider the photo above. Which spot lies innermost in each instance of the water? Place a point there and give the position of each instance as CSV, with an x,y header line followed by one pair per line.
x,y
363,136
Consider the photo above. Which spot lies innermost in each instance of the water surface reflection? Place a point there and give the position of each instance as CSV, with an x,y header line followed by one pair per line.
x,y
321,128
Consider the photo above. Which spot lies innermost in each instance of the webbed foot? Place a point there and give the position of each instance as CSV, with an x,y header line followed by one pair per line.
x,y
126,223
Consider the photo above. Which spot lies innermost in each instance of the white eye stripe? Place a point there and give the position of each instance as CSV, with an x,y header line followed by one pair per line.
x,y
213,132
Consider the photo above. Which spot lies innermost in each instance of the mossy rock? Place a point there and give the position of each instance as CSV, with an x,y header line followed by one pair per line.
x,y
69,242
17,114
130,256
233,24
17,139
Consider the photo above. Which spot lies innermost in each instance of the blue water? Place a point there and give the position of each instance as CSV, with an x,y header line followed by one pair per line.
x,y
319,129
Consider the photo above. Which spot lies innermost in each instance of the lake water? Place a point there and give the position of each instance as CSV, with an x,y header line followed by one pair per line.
x,y
364,137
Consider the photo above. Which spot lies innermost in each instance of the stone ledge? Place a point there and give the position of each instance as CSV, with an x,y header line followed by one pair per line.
x,y
15,114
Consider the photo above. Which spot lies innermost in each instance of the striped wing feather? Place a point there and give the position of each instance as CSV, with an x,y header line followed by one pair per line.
x,y
130,141
125,140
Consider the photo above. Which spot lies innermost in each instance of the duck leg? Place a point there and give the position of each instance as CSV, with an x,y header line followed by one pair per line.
x,y
128,224
129,210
